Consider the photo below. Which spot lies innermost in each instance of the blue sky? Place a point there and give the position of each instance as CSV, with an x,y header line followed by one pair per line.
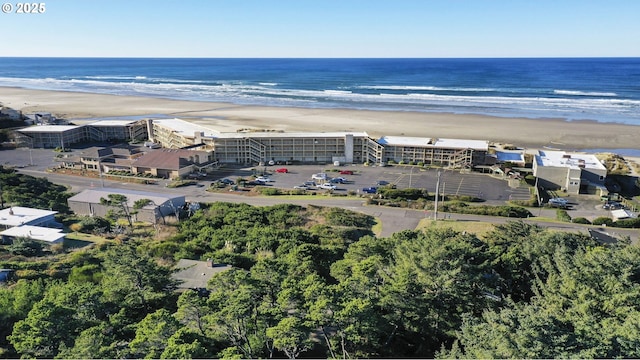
x,y
325,28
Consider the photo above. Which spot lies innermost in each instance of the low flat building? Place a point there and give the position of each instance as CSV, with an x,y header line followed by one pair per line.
x,y
571,172
160,205
117,130
18,215
37,233
445,152
52,136
63,136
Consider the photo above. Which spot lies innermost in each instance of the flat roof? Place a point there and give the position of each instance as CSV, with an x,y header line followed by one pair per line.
x,y
512,156
49,128
185,128
93,196
569,160
277,134
194,274
18,215
113,122
36,233
434,142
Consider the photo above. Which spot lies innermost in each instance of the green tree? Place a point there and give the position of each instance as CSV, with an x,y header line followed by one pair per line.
x,y
433,280
47,327
185,344
290,336
120,206
235,316
152,334
134,281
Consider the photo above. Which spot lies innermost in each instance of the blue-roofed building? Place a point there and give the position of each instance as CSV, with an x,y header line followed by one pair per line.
x,y
515,157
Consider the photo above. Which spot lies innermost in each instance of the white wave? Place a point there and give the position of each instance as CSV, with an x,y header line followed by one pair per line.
x,y
268,84
583,93
239,92
422,88
337,92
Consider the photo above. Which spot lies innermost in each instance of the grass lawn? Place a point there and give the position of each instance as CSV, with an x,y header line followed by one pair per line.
x,y
82,237
477,227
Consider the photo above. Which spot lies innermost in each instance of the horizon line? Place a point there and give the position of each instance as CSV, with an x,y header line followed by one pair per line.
x,y
316,58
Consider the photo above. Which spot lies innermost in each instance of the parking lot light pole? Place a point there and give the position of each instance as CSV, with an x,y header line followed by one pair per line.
x,y
410,174
435,210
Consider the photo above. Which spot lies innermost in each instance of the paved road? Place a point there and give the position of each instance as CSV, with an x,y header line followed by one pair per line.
x,y
393,219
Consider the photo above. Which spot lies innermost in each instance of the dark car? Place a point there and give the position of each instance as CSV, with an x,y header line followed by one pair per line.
x,y
338,180
612,205
370,190
227,181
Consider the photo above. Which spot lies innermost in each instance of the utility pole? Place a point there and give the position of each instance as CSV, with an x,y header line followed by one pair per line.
x,y
435,211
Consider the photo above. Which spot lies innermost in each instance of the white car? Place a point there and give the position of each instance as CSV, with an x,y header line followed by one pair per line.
x,y
301,187
263,179
327,186
319,176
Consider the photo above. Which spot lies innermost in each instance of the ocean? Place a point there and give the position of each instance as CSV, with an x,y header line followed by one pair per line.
x,y
598,89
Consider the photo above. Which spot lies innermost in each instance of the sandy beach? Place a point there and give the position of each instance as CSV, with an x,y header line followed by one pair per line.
x,y
557,133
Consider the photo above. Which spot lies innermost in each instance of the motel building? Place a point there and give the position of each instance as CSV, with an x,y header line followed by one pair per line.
x,y
254,147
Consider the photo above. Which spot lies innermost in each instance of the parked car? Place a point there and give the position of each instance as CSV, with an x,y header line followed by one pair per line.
x,y
263,179
558,202
319,176
338,180
612,205
255,182
327,186
382,183
346,172
282,170
370,190
227,181
301,187
310,183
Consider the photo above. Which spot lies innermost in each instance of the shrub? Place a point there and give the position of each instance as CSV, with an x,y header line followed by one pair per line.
x,y
581,220
563,215
627,223
602,220
342,217
270,191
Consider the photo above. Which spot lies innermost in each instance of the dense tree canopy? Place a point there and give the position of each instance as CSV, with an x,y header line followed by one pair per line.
x,y
315,282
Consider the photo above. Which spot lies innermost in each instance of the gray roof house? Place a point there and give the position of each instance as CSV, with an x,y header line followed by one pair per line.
x,y
194,274
88,203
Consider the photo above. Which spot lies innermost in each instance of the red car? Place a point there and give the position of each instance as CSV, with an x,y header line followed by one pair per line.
x,y
282,170
346,172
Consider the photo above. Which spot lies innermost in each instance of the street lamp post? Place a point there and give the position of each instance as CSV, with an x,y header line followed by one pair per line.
x,y
435,210
410,176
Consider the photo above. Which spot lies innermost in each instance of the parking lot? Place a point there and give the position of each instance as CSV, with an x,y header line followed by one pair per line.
x,y
452,182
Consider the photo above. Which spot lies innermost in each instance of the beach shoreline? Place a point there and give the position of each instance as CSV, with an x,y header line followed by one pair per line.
x,y
227,117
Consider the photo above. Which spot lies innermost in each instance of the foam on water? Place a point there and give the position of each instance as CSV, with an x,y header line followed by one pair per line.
x,y
594,89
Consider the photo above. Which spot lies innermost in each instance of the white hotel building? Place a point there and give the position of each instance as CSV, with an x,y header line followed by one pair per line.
x,y
317,147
